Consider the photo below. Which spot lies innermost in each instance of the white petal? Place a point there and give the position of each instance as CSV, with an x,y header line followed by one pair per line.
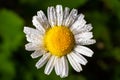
x,y
33,35
43,19
84,35
38,25
78,22
79,26
66,13
34,38
59,12
71,18
79,58
50,65
64,67
43,60
85,41
31,46
84,50
28,31
38,53
76,66
58,66
52,16
86,28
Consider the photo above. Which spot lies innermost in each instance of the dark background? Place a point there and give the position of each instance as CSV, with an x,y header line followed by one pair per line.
x,y
15,61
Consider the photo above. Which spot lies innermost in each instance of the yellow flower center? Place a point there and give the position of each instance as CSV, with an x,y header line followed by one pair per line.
x,y
59,40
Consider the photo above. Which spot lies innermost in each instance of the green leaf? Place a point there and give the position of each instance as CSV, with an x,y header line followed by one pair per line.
x,y
11,36
11,29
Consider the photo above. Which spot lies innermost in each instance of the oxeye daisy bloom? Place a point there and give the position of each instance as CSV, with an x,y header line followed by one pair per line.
x,y
59,39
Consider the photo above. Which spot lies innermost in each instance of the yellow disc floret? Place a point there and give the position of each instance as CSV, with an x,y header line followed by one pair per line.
x,y
59,40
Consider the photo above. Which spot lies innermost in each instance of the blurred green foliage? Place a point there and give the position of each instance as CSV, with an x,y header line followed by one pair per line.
x,y
45,3
15,61
11,38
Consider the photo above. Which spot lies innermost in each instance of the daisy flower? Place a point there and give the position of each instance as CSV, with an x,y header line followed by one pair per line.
x,y
58,39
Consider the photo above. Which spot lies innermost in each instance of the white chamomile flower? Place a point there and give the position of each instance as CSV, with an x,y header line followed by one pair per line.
x,y
59,39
